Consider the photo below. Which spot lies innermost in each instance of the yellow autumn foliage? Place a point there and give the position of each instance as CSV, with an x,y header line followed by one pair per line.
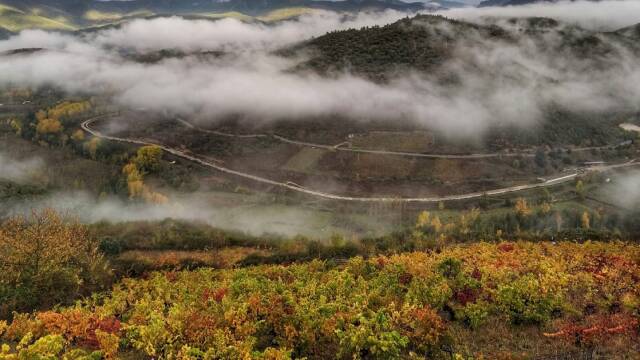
x,y
137,188
46,259
423,219
585,220
92,147
522,207
48,126
49,121
78,136
67,109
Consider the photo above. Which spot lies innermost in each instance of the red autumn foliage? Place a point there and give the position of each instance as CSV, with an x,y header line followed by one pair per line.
x,y
214,294
466,295
201,327
108,325
506,247
405,278
78,327
597,329
172,276
598,263
476,274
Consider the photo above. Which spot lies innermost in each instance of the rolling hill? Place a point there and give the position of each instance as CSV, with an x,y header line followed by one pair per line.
x,y
416,43
5,33
631,32
425,42
487,3
15,19
16,15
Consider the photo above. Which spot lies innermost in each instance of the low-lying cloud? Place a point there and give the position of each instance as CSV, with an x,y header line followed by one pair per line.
x,y
498,82
626,190
227,34
603,15
286,220
18,169
233,35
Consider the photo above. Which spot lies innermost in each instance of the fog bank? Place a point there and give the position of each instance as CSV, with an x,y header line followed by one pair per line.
x,y
498,83
601,15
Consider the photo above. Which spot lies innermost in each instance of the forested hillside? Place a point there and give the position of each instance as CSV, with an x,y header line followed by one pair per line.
x,y
419,43
426,43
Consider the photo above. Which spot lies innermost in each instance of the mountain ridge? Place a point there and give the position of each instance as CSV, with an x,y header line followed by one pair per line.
x,y
488,3
79,7
424,42
65,15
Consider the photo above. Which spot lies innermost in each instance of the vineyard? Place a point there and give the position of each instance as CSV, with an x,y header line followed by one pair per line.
x,y
483,301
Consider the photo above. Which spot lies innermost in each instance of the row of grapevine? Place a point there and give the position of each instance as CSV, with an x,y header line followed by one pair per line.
x,y
564,296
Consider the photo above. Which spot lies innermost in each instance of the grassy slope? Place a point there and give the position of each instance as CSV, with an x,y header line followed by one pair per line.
x,y
99,17
271,16
285,13
14,20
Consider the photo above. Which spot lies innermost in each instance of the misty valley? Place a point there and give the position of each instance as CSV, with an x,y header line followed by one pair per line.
x,y
313,179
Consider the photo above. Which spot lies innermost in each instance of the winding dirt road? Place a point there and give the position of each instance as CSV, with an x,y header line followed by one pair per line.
x,y
86,126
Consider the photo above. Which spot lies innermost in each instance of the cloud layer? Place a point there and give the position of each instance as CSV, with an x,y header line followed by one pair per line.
x,y
604,15
19,170
499,83
626,190
256,219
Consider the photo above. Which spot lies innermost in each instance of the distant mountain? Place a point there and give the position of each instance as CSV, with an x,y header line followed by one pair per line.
x,y
631,32
446,4
249,7
4,33
487,3
16,15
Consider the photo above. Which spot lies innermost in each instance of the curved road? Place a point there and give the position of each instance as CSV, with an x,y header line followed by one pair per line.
x,y
86,126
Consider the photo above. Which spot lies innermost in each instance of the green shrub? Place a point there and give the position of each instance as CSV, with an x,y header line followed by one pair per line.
x,y
525,301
